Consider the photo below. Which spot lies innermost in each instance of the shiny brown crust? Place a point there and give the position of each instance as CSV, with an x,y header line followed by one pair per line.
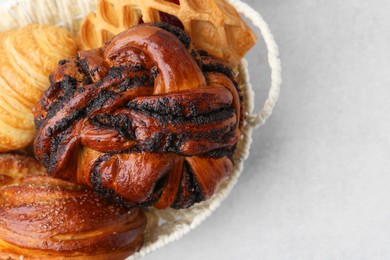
x,y
46,218
150,119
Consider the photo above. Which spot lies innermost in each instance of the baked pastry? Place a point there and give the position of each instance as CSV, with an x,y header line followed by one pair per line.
x,y
27,56
214,26
13,167
46,218
148,119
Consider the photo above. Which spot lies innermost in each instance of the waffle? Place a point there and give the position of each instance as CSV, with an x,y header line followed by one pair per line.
x,y
214,26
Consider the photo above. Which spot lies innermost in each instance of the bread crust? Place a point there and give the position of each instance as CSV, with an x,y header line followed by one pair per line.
x,y
46,218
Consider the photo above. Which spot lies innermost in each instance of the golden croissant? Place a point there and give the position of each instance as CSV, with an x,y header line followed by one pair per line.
x,y
148,119
46,218
27,56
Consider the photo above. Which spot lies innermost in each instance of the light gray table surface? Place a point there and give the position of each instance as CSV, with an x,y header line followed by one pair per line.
x,y
317,182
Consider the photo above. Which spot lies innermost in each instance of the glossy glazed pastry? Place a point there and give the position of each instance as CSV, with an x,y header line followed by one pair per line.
x,y
46,218
214,26
147,119
27,56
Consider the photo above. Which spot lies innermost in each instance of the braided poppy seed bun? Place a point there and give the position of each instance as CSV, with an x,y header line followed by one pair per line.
x,y
46,218
148,119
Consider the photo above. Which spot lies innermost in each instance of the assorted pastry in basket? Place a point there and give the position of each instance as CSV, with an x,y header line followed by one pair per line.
x,y
147,112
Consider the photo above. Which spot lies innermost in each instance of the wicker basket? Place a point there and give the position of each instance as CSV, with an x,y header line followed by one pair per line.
x,y
167,225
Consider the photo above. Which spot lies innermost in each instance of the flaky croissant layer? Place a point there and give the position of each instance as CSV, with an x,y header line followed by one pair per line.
x,y
148,119
46,218
27,57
